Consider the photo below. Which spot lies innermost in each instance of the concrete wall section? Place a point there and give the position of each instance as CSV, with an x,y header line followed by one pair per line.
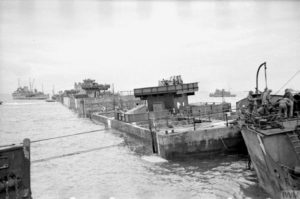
x,y
180,101
210,108
145,116
166,99
131,129
66,101
136,117
101,118
72,103
201,142
93,105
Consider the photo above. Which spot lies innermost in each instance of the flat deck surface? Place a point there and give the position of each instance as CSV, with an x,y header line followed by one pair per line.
x,y
289,125
190,127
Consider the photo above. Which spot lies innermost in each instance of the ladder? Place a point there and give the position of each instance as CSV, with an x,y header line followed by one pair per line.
x,y
295,140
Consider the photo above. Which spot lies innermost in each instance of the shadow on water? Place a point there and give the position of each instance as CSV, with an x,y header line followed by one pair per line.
x,y
136,145
223,175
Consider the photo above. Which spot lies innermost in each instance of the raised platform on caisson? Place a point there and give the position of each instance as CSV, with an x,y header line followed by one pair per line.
x,y
209,138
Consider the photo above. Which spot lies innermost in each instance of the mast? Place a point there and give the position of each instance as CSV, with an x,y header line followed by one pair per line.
x,y
30,85
53,90
114,102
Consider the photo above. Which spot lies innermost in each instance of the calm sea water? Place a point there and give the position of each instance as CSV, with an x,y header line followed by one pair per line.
x,y
117,172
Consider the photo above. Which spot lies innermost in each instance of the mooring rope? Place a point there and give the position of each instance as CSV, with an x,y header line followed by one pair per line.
x,y
63,136
75,153
8,145
57,137
288,81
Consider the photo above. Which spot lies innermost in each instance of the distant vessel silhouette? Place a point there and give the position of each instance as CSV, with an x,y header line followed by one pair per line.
x,y
221,93
23,93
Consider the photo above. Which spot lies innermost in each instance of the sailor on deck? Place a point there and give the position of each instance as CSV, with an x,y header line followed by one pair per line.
x,y
290,101
251,100
266,99
283,107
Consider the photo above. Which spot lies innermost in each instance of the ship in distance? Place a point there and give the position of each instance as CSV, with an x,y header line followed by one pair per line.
x,y
221,93
271,131
24,93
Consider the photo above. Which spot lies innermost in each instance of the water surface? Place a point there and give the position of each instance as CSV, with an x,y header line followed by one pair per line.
x,y
116,172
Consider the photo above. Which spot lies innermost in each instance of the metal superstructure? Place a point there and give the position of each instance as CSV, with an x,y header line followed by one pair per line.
x,y
273,141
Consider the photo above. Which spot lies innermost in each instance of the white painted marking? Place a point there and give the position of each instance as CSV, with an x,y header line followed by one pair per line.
x,y
261,144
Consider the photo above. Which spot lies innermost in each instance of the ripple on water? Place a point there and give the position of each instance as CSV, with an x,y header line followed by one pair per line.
x,y
119,172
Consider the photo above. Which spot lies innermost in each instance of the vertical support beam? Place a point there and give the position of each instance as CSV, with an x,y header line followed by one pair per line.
x,y
153,136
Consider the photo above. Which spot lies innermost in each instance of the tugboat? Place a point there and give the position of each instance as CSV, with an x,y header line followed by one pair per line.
x,y
50,100
221,93
273,142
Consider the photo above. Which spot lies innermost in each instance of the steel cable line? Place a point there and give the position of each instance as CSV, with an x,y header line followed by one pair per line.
x,y
63,136
57,137
288,81
75,153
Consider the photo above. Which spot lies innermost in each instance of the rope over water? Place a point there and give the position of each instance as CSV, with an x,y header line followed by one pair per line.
x,y
288,81
75,153
63,136
57,137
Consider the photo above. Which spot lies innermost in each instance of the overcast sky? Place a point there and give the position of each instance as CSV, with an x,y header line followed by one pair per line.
x,y
134,44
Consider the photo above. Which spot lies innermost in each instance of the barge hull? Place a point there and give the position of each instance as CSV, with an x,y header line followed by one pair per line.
x,y
201,143
266,153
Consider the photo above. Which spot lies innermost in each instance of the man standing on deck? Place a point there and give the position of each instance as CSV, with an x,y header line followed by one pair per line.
x,y
250,102
283,107
290,101
266,100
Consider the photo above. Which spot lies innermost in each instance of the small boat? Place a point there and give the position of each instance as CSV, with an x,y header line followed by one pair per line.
x,y
273,143
50,100
1,102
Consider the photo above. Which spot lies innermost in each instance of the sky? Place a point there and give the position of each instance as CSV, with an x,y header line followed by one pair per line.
x,y
133,44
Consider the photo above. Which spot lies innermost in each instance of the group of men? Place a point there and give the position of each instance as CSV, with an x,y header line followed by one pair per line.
x,y
286,103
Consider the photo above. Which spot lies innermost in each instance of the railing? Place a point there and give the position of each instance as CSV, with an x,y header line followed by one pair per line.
x,y
181,88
